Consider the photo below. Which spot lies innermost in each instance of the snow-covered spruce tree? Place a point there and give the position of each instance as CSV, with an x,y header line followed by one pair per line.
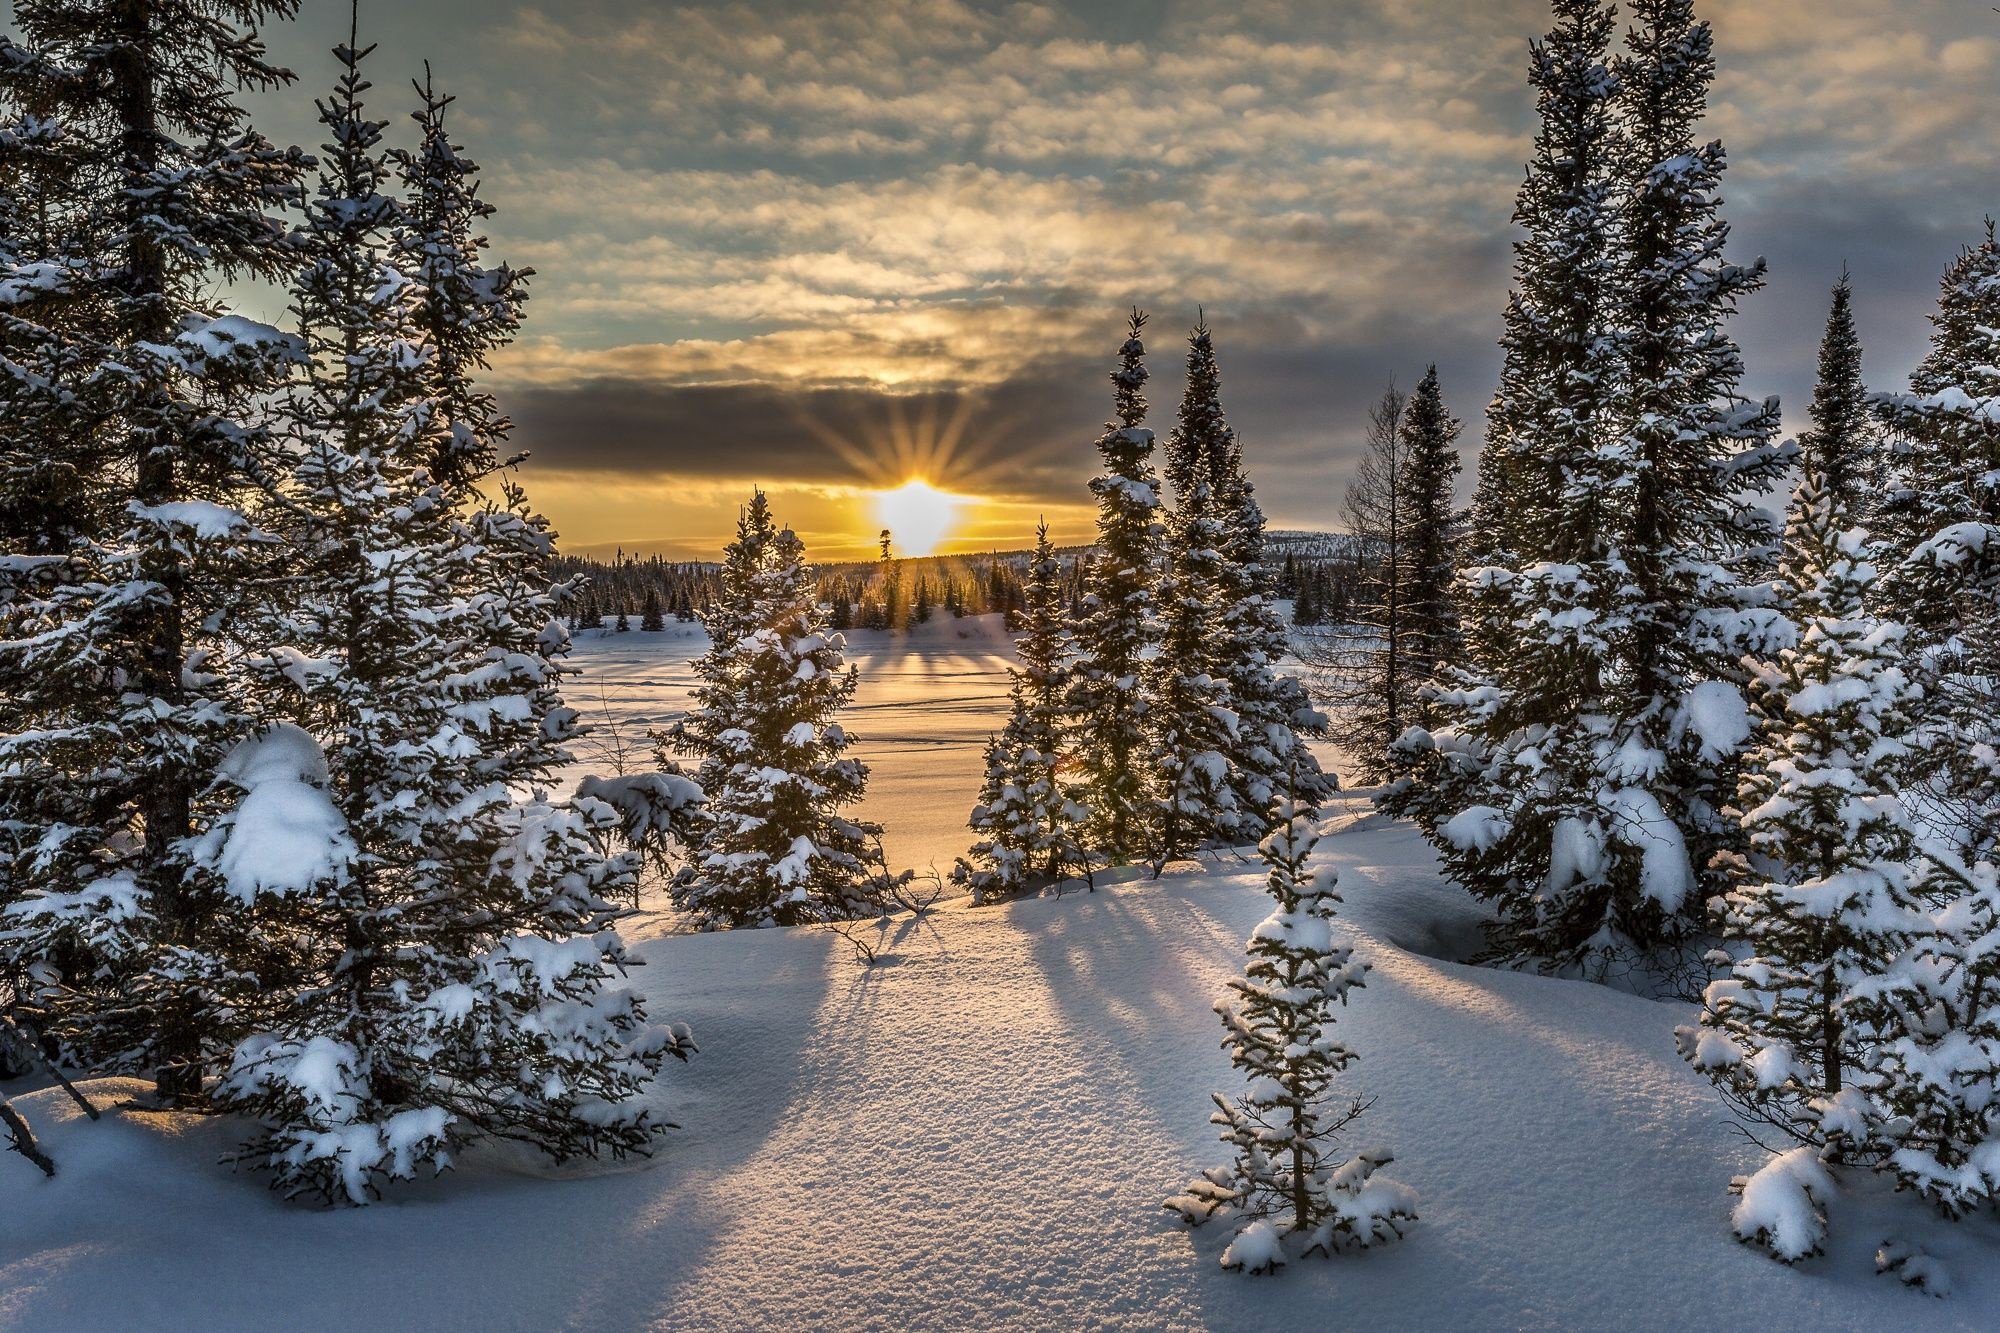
x,y
1840,446
54,502
1820,900
1942,523
1107,703
1430,478
1579,776
438,931
1698,550
772,844
1030,830
160,191
1279,1017
1268,754
1503,784
1939,1051
1190,725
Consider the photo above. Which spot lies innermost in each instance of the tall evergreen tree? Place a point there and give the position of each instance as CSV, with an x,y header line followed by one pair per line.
x,y
1430,518
1030,829
1191,724
1695,551
1268,754
439,934
1107,702
159,190
1279,1018
1821,899
1580,775
1553,381
773,844
1535,680
1942,522
1840,445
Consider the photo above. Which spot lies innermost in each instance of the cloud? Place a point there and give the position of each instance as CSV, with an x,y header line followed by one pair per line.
x,y
761,224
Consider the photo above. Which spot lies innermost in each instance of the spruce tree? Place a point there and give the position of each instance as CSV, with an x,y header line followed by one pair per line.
x,y
1030,829
1939,1053
1191,725
158,192
1840,444
1693,549
1279,1018
1821,899
1430,538
1494,784
1107,702
773,846
439,933
650,617
55,502
1268,754
1942,523
1584,759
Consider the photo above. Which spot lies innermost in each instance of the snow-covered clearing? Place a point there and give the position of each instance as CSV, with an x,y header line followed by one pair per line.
x,y
926,703
978,1134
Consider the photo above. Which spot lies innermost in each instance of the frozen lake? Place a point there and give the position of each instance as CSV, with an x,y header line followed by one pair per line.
x,y
926,702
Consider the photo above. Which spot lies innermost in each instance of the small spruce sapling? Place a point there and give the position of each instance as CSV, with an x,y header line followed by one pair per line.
x,y
1279,1019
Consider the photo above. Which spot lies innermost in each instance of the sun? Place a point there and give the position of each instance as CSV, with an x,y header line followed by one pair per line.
x,y
917,515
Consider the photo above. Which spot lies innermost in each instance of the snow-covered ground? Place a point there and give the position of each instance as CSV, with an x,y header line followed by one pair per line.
x,y
978,1132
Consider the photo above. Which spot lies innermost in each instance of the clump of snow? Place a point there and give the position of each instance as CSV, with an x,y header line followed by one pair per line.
x,y
1257,1248
1784,1205
1715,714
285,835
1475,828
201,518
1914,1267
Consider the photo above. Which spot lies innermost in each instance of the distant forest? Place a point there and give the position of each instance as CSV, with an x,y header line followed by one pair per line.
x,y
1317,572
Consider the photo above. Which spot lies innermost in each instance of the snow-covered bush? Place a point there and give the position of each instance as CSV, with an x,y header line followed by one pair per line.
x,y
1283,1185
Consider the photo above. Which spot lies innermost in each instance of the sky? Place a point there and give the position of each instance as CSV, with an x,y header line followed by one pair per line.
x,y
823,248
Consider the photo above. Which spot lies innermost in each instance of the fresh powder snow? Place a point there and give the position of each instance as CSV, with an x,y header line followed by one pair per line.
x,y
976,1133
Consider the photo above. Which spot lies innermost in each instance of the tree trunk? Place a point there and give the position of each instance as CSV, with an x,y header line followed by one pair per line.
x,y
24,1140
